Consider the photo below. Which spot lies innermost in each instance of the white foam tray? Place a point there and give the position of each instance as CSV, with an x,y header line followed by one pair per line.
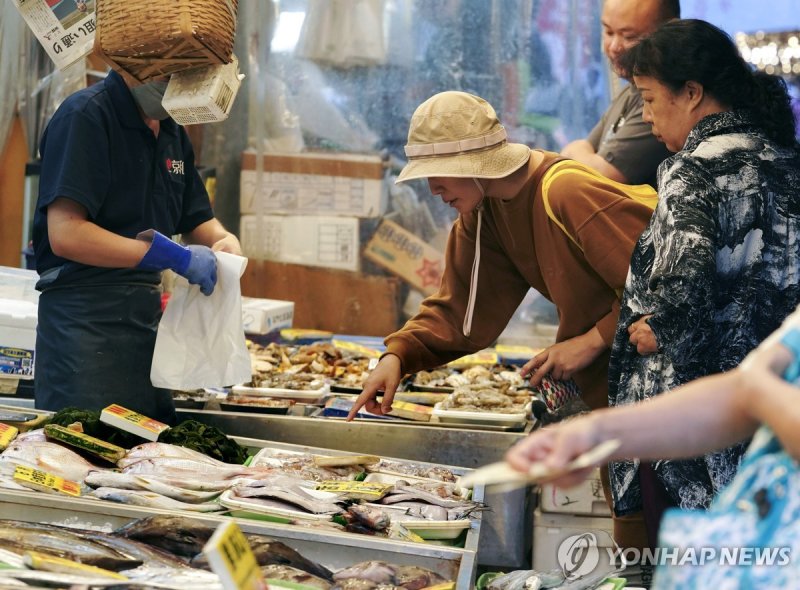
x,y
464,416
297,394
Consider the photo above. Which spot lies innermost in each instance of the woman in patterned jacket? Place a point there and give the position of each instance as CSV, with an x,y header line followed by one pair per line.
x,y
756,519
718,267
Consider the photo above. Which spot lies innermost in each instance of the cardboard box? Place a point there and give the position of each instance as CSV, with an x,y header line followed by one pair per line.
x,y
407,256
335,300
331,242
551,530
585,499
17,338
314,184
262,316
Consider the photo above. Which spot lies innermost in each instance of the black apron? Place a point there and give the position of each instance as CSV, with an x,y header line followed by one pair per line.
x,y
94,347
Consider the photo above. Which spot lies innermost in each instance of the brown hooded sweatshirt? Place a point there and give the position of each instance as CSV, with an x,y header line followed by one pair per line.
x,y
521,247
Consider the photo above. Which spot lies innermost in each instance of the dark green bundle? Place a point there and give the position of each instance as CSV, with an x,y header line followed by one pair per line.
x,y
205,439
90,421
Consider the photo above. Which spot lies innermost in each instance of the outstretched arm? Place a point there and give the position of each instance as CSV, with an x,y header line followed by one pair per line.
x,y
726,408
385,377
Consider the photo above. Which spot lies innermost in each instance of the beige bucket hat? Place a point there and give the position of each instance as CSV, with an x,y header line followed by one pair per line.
x,y
456,134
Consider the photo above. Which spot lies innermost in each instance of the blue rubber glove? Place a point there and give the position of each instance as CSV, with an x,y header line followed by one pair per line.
x,y
197,263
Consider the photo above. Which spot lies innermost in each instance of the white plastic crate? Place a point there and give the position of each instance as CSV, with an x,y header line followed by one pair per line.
x,y
585,499
551,530
202,95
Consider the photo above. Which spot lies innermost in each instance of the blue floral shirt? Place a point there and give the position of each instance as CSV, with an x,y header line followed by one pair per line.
x,y
718,267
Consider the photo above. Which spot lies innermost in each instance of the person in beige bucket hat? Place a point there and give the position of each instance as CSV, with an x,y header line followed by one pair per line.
x,y
505,242
458,135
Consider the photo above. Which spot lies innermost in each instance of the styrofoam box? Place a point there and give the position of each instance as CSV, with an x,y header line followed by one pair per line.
x,y
17,338
585,499
314,183
262,316
331,242
550,530
18,283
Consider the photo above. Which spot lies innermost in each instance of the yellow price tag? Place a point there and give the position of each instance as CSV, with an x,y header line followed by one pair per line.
x,y
131,421
232,559
7,434
398,531
45,482
367,490
59,565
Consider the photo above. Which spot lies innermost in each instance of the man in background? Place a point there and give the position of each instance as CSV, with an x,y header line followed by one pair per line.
x,y
621,146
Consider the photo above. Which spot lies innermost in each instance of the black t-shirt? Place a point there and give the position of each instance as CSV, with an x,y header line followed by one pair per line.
x,y
97,151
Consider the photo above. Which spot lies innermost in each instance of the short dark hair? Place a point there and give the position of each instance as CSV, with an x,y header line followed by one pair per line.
x,y
669,9
691,49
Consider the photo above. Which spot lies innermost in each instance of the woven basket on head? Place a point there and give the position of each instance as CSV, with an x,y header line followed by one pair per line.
x,y
147,40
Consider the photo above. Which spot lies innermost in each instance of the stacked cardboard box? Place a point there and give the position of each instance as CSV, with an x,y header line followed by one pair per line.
x,y
304,208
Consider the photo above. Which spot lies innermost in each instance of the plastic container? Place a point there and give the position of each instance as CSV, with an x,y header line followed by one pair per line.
x,y
308,395
488,418
203,95
429,529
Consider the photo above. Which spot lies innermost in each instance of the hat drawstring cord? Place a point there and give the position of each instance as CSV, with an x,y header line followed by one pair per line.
x,y
476,263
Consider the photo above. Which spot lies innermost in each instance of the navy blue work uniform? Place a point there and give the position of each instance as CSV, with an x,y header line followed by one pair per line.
x,y
97,326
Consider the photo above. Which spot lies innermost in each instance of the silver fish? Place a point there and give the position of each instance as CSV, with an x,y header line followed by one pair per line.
x,y
167,578
157,449
49,457
188,468
60,580
130,481
404,493
151,500
295,497
19,536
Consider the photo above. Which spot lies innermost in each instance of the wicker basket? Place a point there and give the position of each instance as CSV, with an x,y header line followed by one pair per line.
x,y
147,39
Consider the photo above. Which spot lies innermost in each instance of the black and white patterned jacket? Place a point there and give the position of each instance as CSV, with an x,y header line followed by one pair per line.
x,y
719,268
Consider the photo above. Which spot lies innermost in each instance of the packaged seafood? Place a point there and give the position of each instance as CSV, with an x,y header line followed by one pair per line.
x,y
316,393
246,403
516,418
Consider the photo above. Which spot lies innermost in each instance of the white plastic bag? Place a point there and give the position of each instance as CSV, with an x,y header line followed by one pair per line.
x,y
200,341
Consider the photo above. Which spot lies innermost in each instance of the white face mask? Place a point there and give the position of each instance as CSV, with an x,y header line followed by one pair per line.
x,y
149,96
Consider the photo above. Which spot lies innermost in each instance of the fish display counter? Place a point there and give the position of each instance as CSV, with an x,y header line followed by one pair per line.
x,y
258,502
505,534
332,551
